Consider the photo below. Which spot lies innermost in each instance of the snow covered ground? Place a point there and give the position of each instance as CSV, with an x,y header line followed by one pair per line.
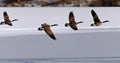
x,y
24,41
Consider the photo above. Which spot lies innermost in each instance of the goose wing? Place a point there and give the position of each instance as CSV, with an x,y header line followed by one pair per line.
x,y
6,17
95,17
50,33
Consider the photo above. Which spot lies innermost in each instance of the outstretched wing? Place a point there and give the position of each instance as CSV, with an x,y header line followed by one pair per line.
x,y
52,36
72,21
50,33
6,17
95,17
54,25
71,16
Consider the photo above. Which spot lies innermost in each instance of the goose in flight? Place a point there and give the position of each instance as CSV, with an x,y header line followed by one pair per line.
x,y
7,20
96,19
46,28
72,23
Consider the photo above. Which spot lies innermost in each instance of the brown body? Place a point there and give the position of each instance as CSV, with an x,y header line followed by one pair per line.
x,y
6,19
72,21
96,19
47,29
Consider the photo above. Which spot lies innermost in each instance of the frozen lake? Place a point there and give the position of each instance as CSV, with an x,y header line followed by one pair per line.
x,y
23,42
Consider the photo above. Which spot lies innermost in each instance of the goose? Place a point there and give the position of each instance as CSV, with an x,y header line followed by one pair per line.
x,y
72,23
46,28
96,19
7,20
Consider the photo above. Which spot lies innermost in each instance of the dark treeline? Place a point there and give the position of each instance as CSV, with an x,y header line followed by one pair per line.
x,y
60,3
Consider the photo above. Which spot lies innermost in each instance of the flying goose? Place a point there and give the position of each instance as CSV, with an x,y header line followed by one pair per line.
x,y
7,20
46,28
96,19
72,23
